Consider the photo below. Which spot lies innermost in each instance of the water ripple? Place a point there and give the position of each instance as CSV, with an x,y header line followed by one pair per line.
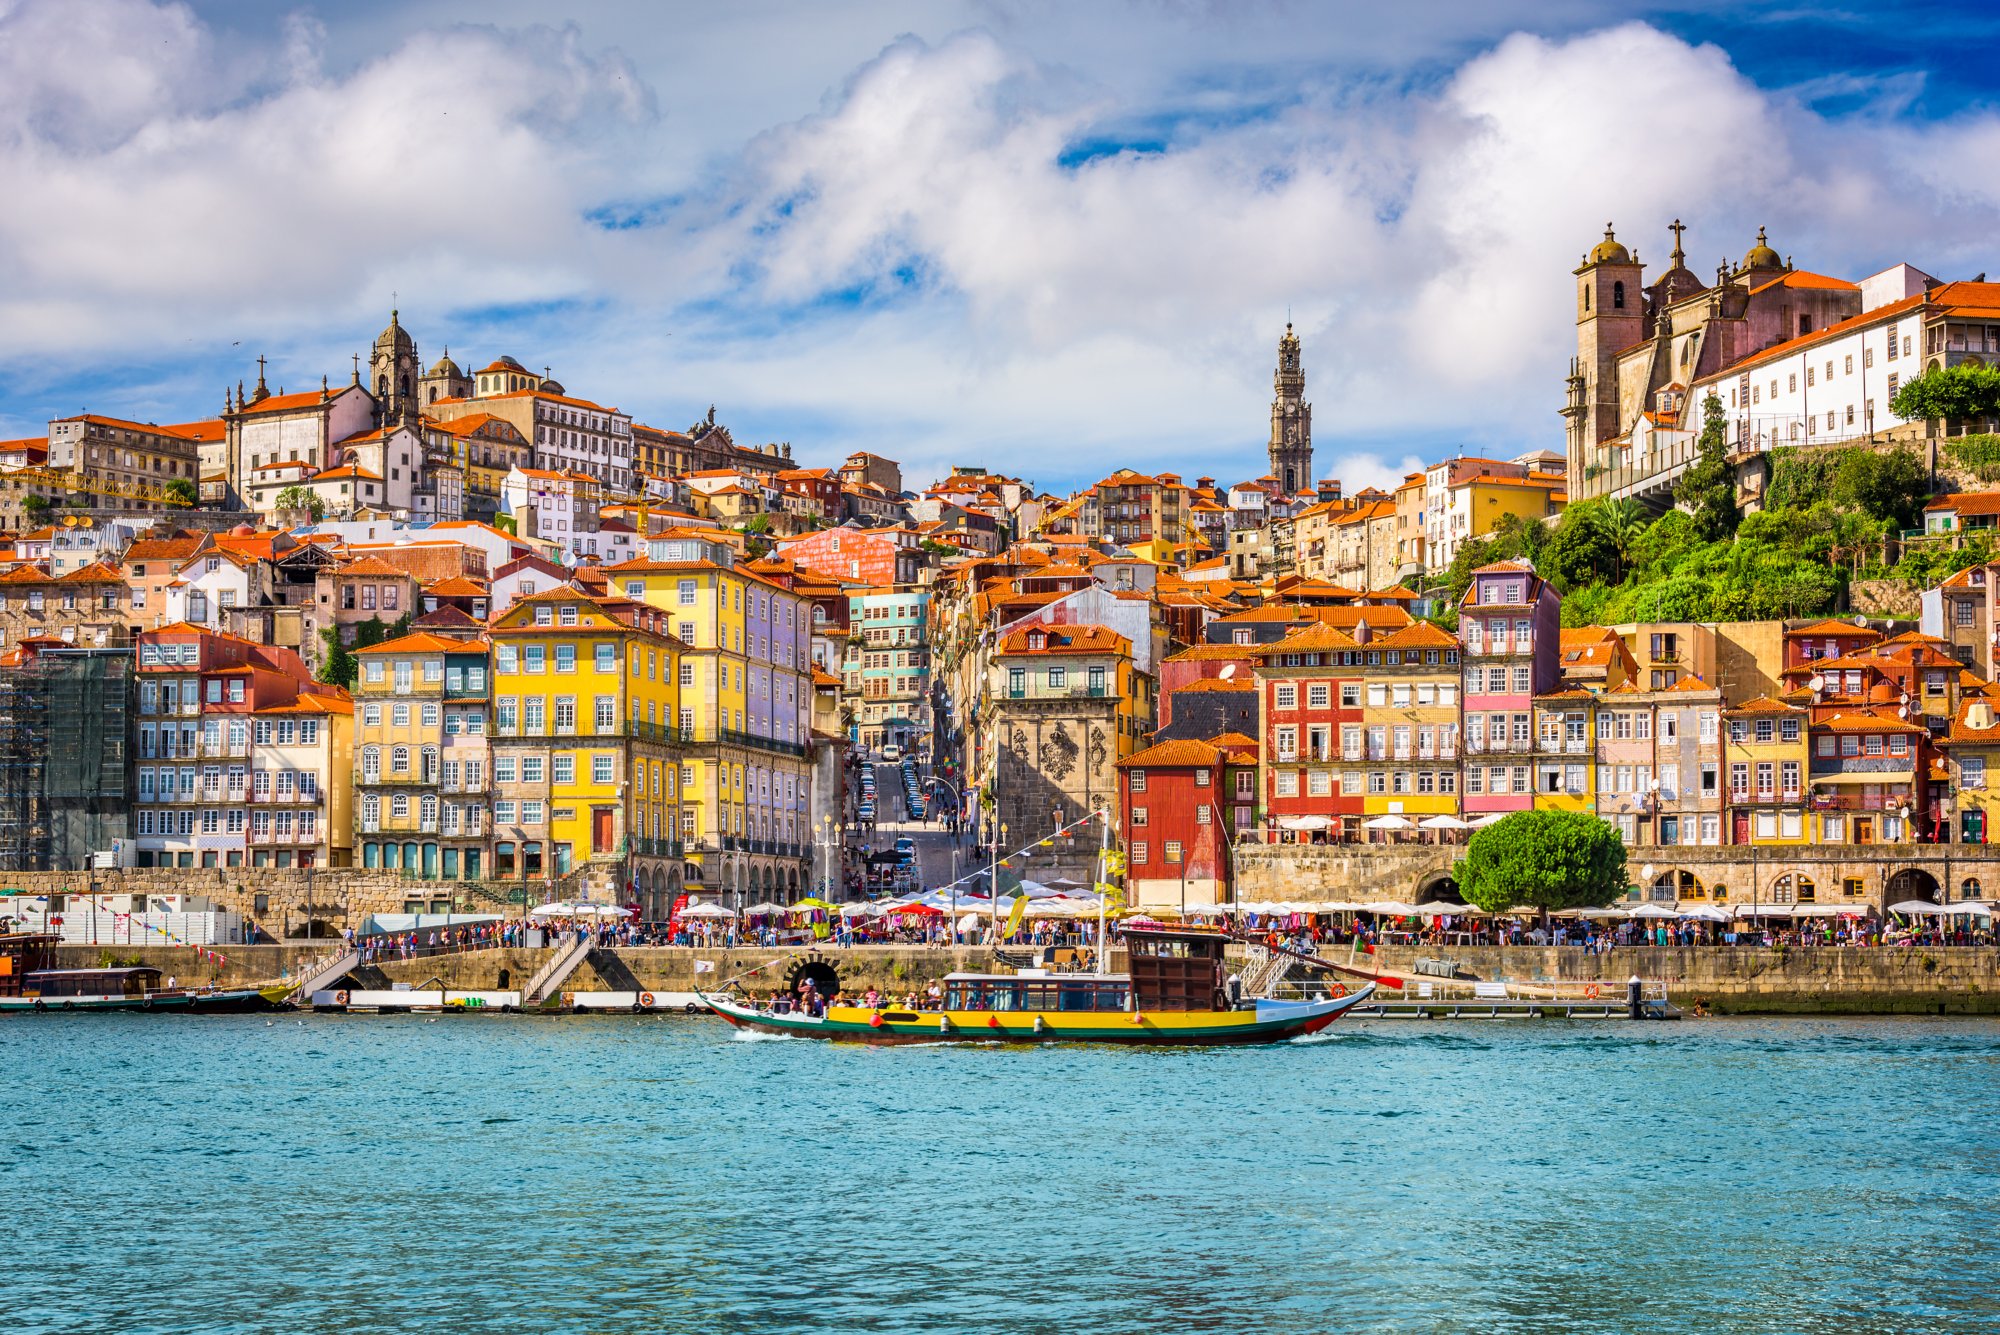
x,y
494,1175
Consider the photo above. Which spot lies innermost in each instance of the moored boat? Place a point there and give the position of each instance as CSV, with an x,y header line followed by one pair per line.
x,y
1175,994
27,984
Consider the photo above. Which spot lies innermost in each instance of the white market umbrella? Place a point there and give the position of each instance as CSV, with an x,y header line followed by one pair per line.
x,y
1968,908
1920,908
556,910
767,907
1387,823
1763,910
1654,911
1441,823
1606,912
1705,914
1481,822
858,909
1305,822
1438,908
707,911
1389,907
1065,884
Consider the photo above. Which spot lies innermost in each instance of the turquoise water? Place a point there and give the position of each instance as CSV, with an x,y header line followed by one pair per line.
x,y
611,1174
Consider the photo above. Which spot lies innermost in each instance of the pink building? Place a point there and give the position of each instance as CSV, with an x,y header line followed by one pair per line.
x,y
1510,626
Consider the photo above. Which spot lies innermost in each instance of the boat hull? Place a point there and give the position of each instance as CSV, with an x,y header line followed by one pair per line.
x,y
1265,1022
245,999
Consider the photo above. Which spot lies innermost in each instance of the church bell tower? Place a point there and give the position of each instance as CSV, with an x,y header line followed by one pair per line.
x,y
393,374
1291,420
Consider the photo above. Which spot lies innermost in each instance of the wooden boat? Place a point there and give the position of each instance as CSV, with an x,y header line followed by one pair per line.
x,y
1175,994
27,984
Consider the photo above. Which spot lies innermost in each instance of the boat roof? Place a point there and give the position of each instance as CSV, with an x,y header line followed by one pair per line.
x,y
92,973
1125,978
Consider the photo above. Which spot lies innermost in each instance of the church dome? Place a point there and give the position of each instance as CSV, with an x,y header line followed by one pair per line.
x,y
552,387
1609,250
1761,256
446,367
395,336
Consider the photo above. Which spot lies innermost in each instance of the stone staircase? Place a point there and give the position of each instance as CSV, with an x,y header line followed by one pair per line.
x,y
548,980
1263,971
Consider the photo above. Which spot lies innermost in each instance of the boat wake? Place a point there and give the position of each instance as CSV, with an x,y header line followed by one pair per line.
x,y
758,1036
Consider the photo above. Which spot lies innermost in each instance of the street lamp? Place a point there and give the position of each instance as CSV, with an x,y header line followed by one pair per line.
x,y
992,889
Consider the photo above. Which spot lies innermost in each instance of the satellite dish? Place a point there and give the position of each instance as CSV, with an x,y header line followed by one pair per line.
x,y
1228,671
69,521
1818,683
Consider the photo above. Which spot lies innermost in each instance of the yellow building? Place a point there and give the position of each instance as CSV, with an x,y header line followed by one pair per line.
x,y
586,747
1766,755
420,725
302,785
1403,755
744,713
1566,750
1972,751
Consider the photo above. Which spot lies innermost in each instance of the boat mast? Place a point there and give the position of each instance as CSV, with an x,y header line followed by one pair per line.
x,y
1103,843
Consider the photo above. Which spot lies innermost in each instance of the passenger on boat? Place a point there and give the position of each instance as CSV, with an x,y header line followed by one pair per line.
x,y
781,1003
934,995
871,999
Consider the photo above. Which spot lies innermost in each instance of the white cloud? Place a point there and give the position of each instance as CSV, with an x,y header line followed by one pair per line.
x,y
912,267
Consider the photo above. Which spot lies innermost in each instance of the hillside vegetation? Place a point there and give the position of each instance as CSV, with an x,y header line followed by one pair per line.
x,y
1827,514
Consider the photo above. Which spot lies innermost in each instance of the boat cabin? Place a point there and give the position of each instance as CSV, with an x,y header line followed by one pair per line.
x,y
1036,992
23,953
1176,970
134,983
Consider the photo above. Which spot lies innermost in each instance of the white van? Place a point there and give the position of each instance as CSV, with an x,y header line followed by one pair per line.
x,y
892,753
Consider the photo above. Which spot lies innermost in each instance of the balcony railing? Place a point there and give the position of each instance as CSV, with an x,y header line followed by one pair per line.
x,y
1892,767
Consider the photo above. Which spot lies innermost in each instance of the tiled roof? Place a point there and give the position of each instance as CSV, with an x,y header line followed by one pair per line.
x,y
417,642
1166,755
1066,640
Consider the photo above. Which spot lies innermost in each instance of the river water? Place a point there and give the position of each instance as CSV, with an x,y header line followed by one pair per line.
x,y
616,1174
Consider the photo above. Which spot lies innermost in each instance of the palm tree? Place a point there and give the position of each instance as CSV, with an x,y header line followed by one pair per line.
x,y
1624,520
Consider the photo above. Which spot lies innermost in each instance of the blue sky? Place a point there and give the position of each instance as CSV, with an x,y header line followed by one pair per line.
x,y
1053,238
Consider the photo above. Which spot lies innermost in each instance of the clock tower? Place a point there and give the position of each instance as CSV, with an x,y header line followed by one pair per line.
x,y
1291,420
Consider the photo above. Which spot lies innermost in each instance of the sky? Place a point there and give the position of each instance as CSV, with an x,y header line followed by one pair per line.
x,y
1047,237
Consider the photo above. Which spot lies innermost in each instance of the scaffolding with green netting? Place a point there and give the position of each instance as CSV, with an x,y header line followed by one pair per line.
x,y
64,722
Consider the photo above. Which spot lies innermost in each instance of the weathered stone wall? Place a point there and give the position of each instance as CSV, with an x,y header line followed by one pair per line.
x,y
291,898
1887,872
1960,980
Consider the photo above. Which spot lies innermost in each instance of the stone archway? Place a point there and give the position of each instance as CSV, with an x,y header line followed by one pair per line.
x,y
1911,883
823,972
1438,885
1672,886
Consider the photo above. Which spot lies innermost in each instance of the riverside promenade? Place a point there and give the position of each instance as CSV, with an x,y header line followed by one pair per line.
x,y
1740,980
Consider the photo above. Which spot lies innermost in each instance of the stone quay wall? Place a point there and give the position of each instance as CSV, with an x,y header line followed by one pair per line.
x,y
1963,980
1921,980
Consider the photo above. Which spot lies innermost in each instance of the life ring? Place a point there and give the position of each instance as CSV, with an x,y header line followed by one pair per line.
x,y
41,1005
340,998
1337,989
692,1009
1590,991
646,1000
145,1003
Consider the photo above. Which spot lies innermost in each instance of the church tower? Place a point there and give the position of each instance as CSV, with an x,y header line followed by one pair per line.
x,y
393,374
1610,317
1291,420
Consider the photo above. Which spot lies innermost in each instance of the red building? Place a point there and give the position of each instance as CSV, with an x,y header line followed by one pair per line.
x,y
1310,685
879,558
1179,804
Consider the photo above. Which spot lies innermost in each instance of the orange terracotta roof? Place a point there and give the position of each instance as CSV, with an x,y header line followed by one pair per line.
x,y
1764,704
1967,503
1832,627
418,642
1316,638
1416,635
1867,720
283,403
1206,684
1065,640
1185,752
456,586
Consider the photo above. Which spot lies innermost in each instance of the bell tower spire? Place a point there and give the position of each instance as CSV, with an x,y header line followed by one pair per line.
x,y
1291,419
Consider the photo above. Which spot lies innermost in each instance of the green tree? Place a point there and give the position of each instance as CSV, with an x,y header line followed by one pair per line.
x,y
1891,485
1582,548
369,633
302,498
1949,394
182,490
1707,490
337,666
35,504
1544,860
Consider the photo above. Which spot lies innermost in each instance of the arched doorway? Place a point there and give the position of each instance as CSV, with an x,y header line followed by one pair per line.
x,y
1438,886
1912,883
1793,888
1672,886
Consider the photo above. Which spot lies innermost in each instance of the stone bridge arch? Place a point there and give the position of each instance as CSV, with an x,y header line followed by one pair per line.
x,y
1912,883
